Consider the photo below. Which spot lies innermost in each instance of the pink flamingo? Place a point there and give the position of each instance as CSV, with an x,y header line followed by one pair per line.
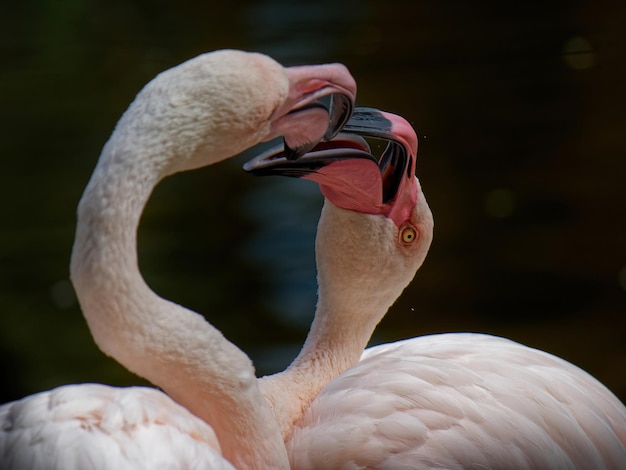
x,y
451,401
196,114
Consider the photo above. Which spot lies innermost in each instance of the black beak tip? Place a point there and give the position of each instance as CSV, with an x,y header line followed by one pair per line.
x,y
341,109
295,153
292,154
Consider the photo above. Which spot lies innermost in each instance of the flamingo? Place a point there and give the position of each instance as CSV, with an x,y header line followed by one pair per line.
x,y
453,401
213,416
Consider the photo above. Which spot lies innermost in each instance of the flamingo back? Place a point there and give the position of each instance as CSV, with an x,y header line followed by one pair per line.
x,y
92,426
461,400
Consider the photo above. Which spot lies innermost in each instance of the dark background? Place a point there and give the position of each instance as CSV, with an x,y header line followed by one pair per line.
x,y
520,113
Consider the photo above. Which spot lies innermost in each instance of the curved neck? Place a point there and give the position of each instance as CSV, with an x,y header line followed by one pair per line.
x,y
332,346
167,344
349,308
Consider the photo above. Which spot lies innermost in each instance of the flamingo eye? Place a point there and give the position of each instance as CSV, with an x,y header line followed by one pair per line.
x,y
408,234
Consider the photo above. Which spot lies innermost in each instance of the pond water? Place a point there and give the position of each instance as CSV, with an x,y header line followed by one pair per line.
x,y
519,112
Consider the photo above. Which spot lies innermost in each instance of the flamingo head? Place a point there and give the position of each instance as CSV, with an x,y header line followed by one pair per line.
x,y
376,227
218,104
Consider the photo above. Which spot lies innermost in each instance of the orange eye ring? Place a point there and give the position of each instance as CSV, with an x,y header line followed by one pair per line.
x,y
408,234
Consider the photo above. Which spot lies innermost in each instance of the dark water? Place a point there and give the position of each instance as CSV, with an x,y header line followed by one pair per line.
x,y
520,115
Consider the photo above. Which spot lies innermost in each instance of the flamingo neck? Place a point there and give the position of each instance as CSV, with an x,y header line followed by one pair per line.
x,y
166,343
332,346
349,307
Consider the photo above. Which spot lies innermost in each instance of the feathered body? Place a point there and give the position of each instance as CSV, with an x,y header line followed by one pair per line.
x,y
461,400
76,427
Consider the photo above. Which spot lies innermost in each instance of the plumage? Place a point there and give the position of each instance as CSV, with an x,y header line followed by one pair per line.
x,y
89,426
197,113
461,400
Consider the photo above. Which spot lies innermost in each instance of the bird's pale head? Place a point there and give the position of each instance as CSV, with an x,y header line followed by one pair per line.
x,y
218,104
376,226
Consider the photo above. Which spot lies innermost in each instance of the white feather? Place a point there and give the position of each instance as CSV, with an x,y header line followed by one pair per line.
x,y
92,426
461,401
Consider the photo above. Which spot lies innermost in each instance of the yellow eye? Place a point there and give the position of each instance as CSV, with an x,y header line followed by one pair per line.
x,y
408,234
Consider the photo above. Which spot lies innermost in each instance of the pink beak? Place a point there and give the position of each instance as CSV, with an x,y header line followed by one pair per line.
x,y
320,102
347,172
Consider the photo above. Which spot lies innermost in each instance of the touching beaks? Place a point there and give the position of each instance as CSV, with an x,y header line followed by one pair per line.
x,y
320,102
337,112
348,173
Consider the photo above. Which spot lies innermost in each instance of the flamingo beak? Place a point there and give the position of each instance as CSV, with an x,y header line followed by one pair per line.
x,y
347,171
319,103
339,109
275,161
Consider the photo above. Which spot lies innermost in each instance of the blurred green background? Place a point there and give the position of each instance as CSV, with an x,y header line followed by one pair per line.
x,y
520,112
